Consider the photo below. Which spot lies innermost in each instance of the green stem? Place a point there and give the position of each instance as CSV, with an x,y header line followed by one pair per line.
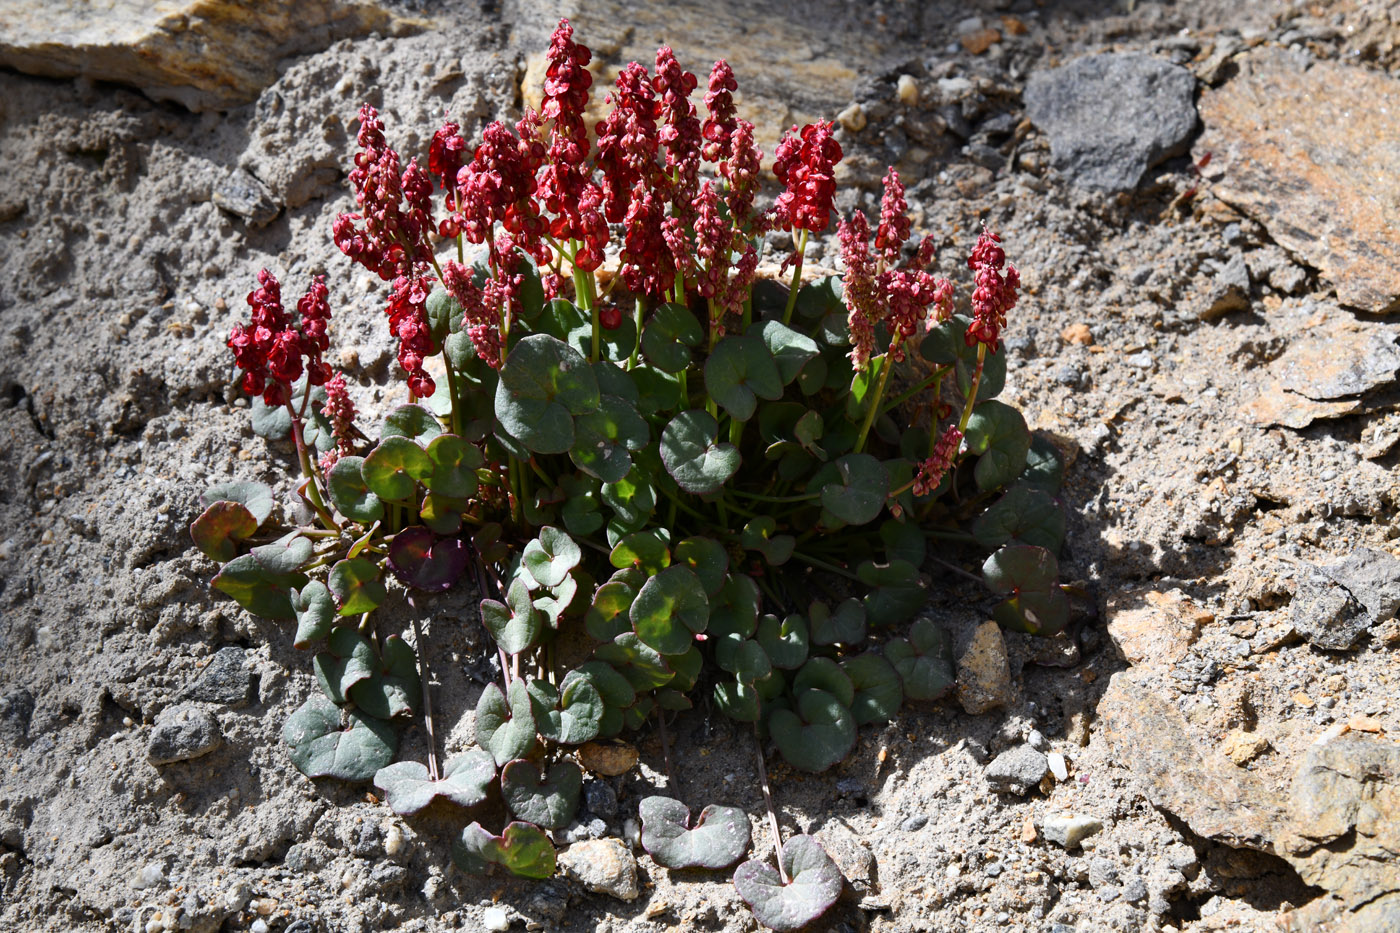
x,y
761,498
304,459
736,431
823,565
972,392
454,419
796,277
874,409
639,309
903,397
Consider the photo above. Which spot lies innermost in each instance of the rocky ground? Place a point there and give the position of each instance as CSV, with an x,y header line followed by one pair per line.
x,y
1201,197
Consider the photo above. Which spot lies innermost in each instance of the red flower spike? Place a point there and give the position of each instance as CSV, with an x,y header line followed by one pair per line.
x,y
446,153
994,294
720,125
680,130
932,470
647,265
894,219
627,140
806,165
742,171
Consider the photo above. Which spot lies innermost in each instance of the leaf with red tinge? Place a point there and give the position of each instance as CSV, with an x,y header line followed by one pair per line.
x,y
220,527
814,885
719,838
422,560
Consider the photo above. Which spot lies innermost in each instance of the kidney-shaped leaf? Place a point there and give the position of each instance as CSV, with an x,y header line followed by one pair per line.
x,y
669,609
357,585
394,468
465,779
818,735
814,885
551,556
255,497
321,747
998,434
784,641
505,724
845,626
719,838
853,488
790,349
548,800
516,623
422,560
394,689
256,589
1027,513
544,383
570,716
668,337
924,661
350,494
693,456
454,467
522,848
315,613
219,529
413,422
878,689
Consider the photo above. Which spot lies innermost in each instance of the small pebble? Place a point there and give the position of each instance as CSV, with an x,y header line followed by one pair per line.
x,y
494,918
152,875
259,926
1036,740
914,823
1057,766
908,90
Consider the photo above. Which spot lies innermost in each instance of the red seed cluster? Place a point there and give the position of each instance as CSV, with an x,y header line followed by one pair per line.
x,y
272,352
566,85
718,130
932,470
395,204
993,294
680,130
894,219
340,411
806,165
408,321
627,141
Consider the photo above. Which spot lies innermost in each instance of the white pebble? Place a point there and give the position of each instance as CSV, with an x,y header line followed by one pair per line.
x,y
153,874
494,918
393,840
908,90
1057,765
259,926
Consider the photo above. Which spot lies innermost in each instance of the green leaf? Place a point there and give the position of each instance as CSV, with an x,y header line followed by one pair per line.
x,y
315,612
1028,576
570,717
531,292
924,662
284,556
455,463
785,642
878,689
904,541
219,529
1045,467
845,626
255,497
548,800
350,493
819,298
515,624
742,657
544,384
815,884
825,674
322,748
395,688
737,700
853,488
758,535
581,513
789,349
632,497
607,616
442,310
551,556
707,558
692,454
645,550
357,586
657,391
349,660
255,589
602,439
1026,514
998,435
668,337
272,422
413,422
505,723
719,838
687,667
740,371
394,468
642,665
947,343
522,848
615,689
442,514
670,609
1035,612
465,778
735,610
821,733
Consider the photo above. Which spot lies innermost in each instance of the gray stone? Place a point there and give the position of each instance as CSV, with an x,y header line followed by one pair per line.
x,y
16,709
1112,117
1325,612
240,193
1017,770
1070,831
181,733
602,865
1102,872
914,823
224,680
850,854
1373,578
600,799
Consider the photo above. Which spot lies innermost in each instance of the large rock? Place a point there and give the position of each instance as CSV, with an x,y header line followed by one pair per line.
x,y
205,54
1112,117
1336,603
1154,627
1297,145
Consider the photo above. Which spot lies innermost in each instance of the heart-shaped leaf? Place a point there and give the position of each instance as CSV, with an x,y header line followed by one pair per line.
x,y
644,550
670,609
602,439
394,468
505,723
924,661
719,838
395,688
559,599
544,384
1036,612
284,556
357,585
256,589
693,456
522,848
315,612
735,610
321,747
642,665
455,462
738,700
998,435
633,499
1035,601
569,716
465,779
441,514
845,626
760,534
413,422
255,497
219,529
742,657
515,624
947,343
615,689
739,372
443,311
878,688
1045,466
815,884
421,559
668,337
549,800
825,674
350,493
551,556
607,616
789,349
707,558
348,660
817,736
1027,514
853,489
657,391
785,642
820,297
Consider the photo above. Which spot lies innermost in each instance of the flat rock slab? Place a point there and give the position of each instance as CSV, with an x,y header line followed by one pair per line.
x,y
204,54
1112,117
1301,146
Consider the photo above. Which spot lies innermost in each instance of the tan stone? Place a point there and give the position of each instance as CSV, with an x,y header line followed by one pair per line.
x,y
1294,143
205,54
602,865
1077,334
984,675
1243,747
981,40
1154,627
607,758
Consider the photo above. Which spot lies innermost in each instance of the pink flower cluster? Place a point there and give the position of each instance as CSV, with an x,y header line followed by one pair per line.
x,y
932,470
993,294
340,410
805,163
898,298
270,348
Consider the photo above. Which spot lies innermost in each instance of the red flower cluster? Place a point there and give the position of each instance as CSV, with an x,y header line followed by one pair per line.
x,y
341,412
270,349
719,102
993,294
627,142
395,207
806,165
446,153
932,470
408,321
566,85
741,171
498,186
680,131
647,264
876,294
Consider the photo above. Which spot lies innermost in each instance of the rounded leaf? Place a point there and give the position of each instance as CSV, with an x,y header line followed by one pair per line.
x,y
668,337
739,372
357,586
845,626
786,641
549,800
455,462
413,422
505,723
997,433
878,689
465,780
821,733
669,609
693,456
853,488
394,468
814,885
719,838
602,439
544,383
551,556
321,747
350,493
522,848
707,558
315,612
